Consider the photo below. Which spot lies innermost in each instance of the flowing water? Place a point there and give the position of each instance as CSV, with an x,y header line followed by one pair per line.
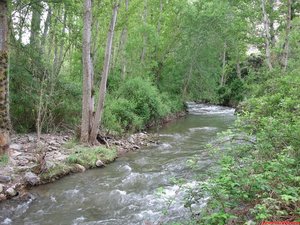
x,y
135,189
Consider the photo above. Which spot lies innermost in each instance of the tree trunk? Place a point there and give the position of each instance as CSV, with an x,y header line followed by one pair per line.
x,y
287,33
223,79
87,72
143,55
100,106
4,106
123,41
62,44
272,25
46,29
267,34
36,8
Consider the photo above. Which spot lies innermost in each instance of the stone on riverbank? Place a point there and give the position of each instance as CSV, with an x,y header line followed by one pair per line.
x,y
31,178
99,163
5,179
11,192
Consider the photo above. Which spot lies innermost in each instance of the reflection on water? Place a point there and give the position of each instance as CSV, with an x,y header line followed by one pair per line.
x,y
128,191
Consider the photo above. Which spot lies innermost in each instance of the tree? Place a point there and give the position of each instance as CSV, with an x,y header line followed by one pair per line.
x,y
4,106
267,34
87,73
287,33
105,72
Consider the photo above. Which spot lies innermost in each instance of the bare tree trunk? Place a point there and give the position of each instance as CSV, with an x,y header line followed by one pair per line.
x,y
100,106
287,33
123,41
223,79
87,72
267,34
143,55
46,29
62,44
272,27
4,90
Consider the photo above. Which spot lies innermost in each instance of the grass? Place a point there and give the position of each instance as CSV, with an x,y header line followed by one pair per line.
x,y
4,160
88,156
84,156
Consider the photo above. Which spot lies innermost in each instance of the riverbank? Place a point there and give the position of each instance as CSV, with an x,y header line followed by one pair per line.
x,y
31,162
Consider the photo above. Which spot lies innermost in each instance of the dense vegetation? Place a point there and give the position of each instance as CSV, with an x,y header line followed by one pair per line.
x,y
259,177
169,56
162,54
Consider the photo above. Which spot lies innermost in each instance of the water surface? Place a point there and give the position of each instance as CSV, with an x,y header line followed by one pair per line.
x,y
137,188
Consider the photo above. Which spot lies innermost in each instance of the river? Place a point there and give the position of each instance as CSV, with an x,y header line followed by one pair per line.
x,y
138,187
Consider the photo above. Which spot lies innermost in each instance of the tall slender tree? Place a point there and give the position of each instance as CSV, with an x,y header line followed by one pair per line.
x,y
87,72
106,66
287,34
267,34
4,106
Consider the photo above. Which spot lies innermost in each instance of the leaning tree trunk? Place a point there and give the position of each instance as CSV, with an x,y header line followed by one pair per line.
x,y
87,72
4,106
100,106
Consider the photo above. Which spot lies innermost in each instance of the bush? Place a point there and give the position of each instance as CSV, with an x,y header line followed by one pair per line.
x,y
136,104
119,116
260,181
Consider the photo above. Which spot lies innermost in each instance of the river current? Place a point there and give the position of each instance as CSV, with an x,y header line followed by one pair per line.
x,y
138,187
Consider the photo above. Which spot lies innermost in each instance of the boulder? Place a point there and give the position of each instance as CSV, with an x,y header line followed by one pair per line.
x,y
31,178
78,168
5,179
1,188
31,139
15,147
130,140
99,163
11,192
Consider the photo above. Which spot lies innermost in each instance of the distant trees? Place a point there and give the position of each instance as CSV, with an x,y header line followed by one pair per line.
x,y
4,106
188,50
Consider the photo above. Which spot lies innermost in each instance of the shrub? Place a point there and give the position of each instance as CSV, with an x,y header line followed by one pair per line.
x,y
136,104
260,181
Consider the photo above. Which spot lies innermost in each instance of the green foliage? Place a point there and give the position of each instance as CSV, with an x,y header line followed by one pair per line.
x,y
120,116
262,184
4,160
137,103
60,98
232,94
